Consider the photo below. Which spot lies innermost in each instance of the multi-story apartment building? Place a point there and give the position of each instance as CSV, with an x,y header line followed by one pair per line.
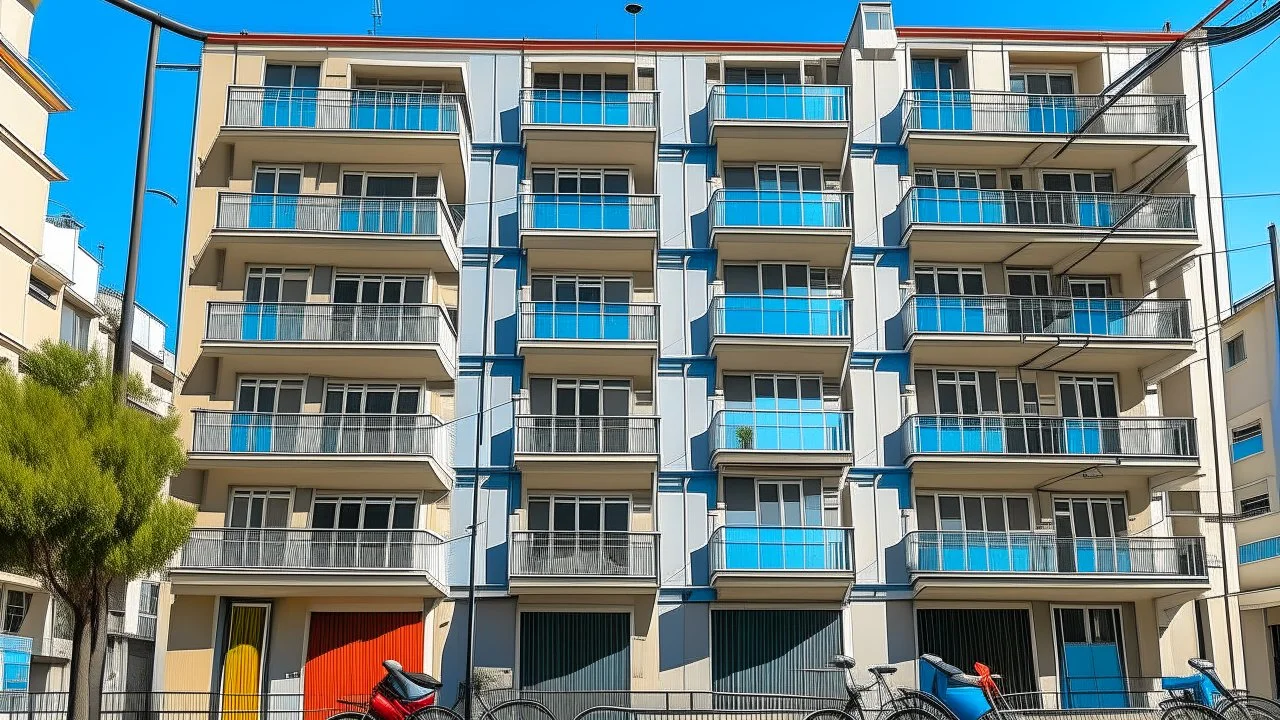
x,y
765,352
1250,354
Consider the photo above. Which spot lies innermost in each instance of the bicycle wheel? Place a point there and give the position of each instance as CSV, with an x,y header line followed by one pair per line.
x,y
1248,707
350,715
1188,711
909,699
829,714
519,709
435,712
911,713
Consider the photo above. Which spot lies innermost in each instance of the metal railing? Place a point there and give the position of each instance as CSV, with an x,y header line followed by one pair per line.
x,y
605,554
782,430
227,431
746,548
1028,552
1102,697
820,690
328,323
1027,435
589,108
792,209
273,549
418,217
563,211
1146,319
1047,208
604,321
345,109
780,316
118,624
580,434
986,111
780,103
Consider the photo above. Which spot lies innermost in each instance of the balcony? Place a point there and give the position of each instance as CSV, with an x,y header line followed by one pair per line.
x,y
1043,228
1040,566
1063,333
981,128
143,627
289,562
780,333
593,563
758,562
581,338
1025,450
341,125
389,233
409,452
589,232
591,128
764,225
812,439
784,123
346,340
586,452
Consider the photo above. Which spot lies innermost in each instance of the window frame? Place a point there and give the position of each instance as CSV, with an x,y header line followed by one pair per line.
x,y
977,175
579,172
381,279
960,271
1265,508
391,498
363,388
1251,430
5,625
1004,499
267,493
1228,353
625,499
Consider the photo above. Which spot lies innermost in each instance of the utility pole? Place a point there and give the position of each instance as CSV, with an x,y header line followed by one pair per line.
x,y
1275,272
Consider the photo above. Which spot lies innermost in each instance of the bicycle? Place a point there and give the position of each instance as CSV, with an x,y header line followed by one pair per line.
x,y
402,695
892,699
1206,688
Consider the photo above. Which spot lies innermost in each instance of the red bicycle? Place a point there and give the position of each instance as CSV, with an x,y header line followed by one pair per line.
x,y
402,695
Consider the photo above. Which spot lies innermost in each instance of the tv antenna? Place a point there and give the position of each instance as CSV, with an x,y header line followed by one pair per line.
x,y
376,14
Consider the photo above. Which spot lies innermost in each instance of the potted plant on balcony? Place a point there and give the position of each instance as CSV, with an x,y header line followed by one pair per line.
x,y
746,437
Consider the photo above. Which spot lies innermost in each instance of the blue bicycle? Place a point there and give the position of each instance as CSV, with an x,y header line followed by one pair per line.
x,y
1206,689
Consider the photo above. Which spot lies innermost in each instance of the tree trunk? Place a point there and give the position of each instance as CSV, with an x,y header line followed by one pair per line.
x,y
88,658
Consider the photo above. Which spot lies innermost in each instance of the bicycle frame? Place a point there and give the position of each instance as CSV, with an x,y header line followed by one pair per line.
x,y
965,701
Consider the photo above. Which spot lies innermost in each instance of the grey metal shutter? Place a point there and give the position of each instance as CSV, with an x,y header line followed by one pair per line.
x,y
775,651
575,651
1000,639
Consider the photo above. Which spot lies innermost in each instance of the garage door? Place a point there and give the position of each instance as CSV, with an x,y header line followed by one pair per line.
x,y
575,651
775,651
1001,639
345,653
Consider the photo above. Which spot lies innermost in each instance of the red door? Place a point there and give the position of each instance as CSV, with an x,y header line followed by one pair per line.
x,y
345,653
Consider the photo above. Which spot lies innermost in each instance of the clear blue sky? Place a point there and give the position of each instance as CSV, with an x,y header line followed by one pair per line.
x,y
95,54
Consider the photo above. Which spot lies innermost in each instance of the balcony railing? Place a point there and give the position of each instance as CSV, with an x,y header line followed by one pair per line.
x,y
117,623
418,217
604,554
792,209
559,211
345,109
782,430
780,316
1030,435
1025,552
605,321
287,549
327,323
225,431
589,108
1005,315
580,434
984,111
766,548
780,103
1043,208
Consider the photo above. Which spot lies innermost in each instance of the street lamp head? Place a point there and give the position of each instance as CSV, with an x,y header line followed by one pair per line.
x,y
633,8
165,195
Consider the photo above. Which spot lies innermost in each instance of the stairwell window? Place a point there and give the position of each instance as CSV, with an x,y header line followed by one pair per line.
x,y
1235,351
1246,441
1255,505
16,605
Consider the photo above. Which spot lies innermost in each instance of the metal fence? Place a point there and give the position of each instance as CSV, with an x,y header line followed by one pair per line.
x,y
751,429
1017,113
594,434
780,315
328,322
312,549
562,211
334,213
1145,319
1102,697
791,209
345,109
678,705
1027,552
1029,435
780,103
563,553
1045,208
227,431
589,108
762,548
604,321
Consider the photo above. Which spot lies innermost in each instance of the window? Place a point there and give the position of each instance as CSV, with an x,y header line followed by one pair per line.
x,y
577,397
379,289
75,328
269,396
569,181
1255,505
772,392
42,292
762,76
931,280
937,74
364,513
259,509
1088,397
963,179
292,76
1246,441
788,503
63,621
1080,182
877,20
985,513
362,399
274,285
579,514
16,605
400,84
1042,83
277,181
1235,351
148,598
573,289
792,279
805,178
373,185
579,81
1090,518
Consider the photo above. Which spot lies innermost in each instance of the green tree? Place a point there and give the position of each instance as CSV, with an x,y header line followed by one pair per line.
x,y
80,504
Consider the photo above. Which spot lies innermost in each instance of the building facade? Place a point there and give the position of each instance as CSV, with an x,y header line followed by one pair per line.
x,y
904,350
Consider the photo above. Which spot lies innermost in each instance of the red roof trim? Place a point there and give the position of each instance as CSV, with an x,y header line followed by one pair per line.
x,y
1038,35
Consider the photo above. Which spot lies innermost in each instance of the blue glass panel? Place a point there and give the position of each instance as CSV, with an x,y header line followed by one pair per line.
x,y
1084,436
617,322
1242,449
242,432
953,552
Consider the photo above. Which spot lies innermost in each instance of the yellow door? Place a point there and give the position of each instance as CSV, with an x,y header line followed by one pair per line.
x,y
242,664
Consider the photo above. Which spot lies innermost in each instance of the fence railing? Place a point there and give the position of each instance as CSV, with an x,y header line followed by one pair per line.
x,y
782,430
780,315
816,691
589,108
1005,112
780,103
1027,552
595,434
793,209
1040,435
605,554
778,548
417,217
605,321
1146,319
345,109
1047,208
562,211
328,323
228,431
274,549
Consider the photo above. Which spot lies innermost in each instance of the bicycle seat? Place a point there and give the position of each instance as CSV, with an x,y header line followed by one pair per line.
x,y
882,669
424,680
1200,665
843,662
409,686
953,673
